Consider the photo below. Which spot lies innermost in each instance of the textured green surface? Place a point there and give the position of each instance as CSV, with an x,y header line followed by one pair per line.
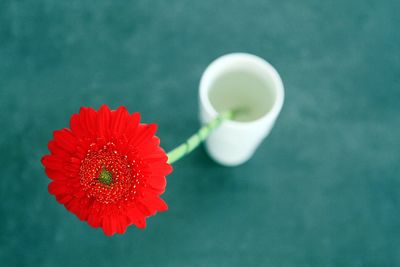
x,y
322,190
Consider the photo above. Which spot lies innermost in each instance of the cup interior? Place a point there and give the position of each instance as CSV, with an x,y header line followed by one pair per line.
x,y
242,90
244,82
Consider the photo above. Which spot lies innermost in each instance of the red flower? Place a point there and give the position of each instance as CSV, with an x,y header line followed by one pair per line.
x,y
108,169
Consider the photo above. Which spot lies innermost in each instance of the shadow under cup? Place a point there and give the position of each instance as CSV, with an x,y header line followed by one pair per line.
x,y
239,82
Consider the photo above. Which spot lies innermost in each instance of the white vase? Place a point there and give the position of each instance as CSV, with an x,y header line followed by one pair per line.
x,y
239,81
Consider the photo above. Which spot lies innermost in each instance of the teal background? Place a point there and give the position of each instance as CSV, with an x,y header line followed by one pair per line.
x,y
322,190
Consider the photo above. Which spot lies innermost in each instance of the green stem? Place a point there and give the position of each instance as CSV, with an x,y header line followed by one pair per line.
x,y
196,139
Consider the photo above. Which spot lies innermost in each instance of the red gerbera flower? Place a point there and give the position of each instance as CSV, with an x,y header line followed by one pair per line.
x,y
108,169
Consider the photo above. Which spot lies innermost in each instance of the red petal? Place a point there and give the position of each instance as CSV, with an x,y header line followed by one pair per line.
x,y
56,174
53,162
119,120
160,168
76,126
82,124
136,217
154,204
132,126
71,168
65,140
157,182
73,206
89,120
57,150
143,134
152,150
82,214
58,188
114,223
107,227
103,121
157,156
63,199
94,220
122,224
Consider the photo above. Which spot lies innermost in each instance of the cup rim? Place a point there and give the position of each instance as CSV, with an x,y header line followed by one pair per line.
x,y
259,62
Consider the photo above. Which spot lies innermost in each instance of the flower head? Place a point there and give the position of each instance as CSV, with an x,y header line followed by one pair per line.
x,y
108,169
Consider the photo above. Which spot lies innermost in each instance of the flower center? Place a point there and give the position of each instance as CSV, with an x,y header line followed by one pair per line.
x,y
105,177
108,176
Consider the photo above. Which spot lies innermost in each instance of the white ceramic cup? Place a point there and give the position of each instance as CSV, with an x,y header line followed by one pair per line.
x,y
239,81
